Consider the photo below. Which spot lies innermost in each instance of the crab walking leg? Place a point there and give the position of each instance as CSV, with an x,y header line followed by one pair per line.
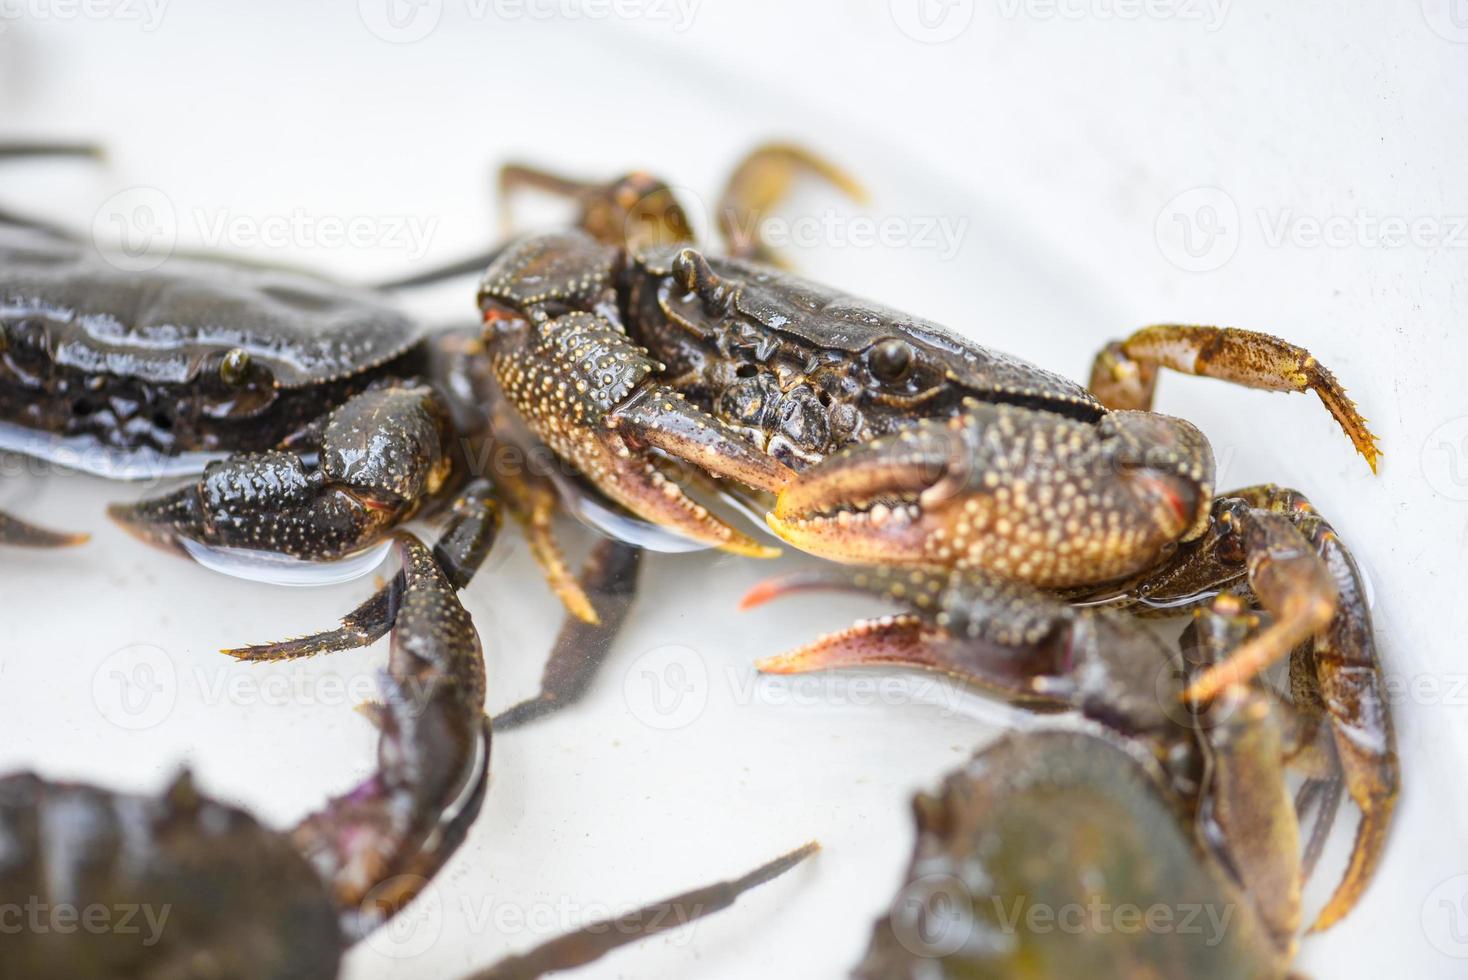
x,y
377,845
16,149
1347,680
533,505
378,458
16,532
519,465
466,541
1291,582
635,210
759,183
592,942
610,579
1251,814
1124,374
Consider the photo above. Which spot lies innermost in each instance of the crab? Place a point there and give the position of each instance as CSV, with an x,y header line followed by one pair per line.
x,y
899,443
1121,510
1143,801
216,893
315,416
649,368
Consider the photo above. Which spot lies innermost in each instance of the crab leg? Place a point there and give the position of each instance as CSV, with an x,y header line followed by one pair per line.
x,y
18,150
592,942
14,531
1124,374
1250,808
1290,580
635,210
1347,680
403,822
760,181
1292,560
466,541
610,578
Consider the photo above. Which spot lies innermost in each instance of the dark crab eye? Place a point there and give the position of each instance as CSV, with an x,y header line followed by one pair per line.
x,y
890,360
235,367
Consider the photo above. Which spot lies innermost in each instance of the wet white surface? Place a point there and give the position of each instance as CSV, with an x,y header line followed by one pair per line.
x,y
1032,171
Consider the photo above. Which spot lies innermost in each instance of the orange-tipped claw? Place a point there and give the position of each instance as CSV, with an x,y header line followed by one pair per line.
x,y
902,641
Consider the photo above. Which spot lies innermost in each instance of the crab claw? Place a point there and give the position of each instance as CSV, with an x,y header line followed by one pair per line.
x,y
1021,494
937,631
1006,637
379,456
586,391
262,502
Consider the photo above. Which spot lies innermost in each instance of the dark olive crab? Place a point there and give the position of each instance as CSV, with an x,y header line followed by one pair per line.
x,y
1122,509
1143,806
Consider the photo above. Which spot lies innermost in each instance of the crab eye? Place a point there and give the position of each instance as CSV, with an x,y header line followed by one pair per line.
x,y
235,367
890,360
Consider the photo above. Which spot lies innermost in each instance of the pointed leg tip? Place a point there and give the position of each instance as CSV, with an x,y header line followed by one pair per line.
x,y
759,594
579,607
22,535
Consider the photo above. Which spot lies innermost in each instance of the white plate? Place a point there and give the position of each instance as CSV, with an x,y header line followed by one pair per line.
x,y
681,766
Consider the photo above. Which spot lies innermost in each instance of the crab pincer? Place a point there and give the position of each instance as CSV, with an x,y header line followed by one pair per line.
x,y
387,837
592,395
1020,493
1005,637
340,489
